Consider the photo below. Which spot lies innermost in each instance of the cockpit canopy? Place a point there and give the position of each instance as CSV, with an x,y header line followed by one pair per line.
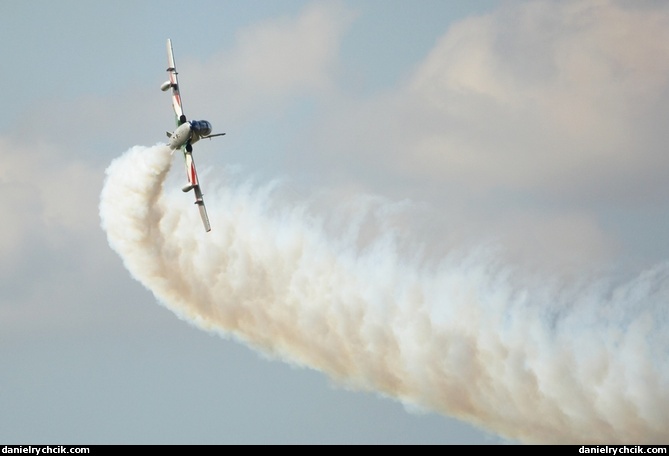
x,y
201,127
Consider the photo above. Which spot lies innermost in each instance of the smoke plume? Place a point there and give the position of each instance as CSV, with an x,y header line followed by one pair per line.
x,y
532,359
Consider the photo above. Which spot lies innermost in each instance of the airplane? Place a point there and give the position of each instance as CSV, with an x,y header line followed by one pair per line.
x,y
187,133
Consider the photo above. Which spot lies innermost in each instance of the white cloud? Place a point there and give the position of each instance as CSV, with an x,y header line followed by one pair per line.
x,y
545,96
271,62
292,54
560,99
560,242
549,109
43,195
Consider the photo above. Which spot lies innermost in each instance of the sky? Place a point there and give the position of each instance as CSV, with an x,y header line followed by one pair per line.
x,y
432,223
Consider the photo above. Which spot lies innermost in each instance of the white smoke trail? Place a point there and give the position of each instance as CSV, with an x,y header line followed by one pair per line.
x,y
466,337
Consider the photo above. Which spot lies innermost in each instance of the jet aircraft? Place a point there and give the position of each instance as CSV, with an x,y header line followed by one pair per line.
x,y
187,133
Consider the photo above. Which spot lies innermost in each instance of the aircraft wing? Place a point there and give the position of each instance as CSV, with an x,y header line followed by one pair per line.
x,y
203,210
174,84
184,135
194,183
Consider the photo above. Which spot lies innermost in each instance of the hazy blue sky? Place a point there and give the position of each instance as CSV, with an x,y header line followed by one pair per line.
x,y
530,129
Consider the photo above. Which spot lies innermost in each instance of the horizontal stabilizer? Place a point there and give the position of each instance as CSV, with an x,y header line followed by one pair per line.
x,y
213,136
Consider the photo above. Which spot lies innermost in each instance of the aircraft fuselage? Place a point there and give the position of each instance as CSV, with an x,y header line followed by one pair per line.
x,y
189,133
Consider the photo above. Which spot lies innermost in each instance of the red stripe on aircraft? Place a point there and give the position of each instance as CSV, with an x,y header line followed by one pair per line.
x,y
193,177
